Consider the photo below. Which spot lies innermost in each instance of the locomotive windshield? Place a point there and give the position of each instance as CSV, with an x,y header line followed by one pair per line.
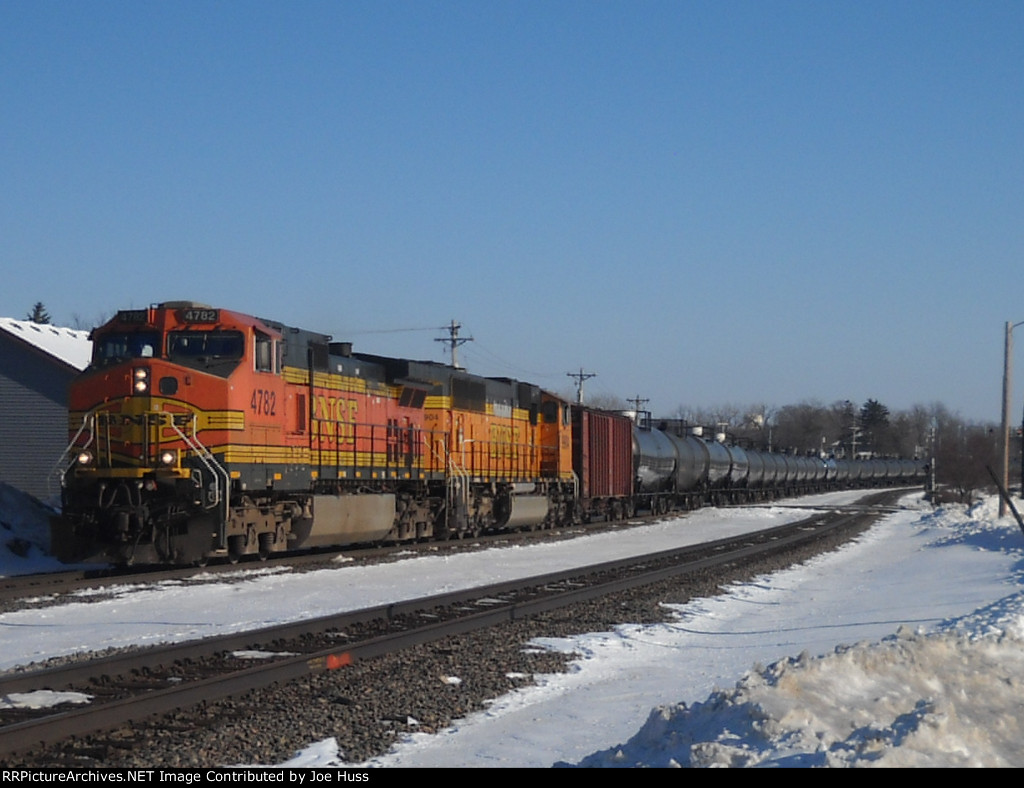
x,y
205,348
123,346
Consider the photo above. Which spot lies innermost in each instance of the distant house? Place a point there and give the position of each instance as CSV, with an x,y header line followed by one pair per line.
x,y
37,362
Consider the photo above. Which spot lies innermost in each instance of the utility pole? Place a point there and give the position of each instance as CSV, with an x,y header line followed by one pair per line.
x,y
454,340
932,438
1007,382
579,377
637,402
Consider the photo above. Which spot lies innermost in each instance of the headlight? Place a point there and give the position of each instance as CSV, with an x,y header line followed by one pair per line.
x,y
140,385
84,458
168,457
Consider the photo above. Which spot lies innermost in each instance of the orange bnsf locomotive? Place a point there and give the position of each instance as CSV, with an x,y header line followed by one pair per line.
x,y
200,432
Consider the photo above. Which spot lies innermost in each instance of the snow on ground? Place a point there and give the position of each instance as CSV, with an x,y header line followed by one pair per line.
x,y
24,534
904,648
208,604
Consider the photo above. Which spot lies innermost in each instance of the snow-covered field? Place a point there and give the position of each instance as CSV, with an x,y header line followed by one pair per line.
x,y
906,647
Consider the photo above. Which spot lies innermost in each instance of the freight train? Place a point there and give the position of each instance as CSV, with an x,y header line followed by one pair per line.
x,y
199,432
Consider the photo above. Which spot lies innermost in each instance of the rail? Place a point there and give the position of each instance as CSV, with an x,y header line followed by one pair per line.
x,y
387,628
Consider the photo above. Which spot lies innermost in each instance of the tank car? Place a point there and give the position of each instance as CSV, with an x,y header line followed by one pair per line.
x,y
654,468
739,473
692,467
719,470
757,474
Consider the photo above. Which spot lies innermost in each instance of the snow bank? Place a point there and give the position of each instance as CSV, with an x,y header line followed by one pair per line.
x,y
945,699
24,533
913,700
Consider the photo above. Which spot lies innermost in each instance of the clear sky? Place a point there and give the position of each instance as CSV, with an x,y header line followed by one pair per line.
x,y
701,202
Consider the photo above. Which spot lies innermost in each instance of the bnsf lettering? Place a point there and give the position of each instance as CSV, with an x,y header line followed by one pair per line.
x,y
263,402
337,417
336,409
502,438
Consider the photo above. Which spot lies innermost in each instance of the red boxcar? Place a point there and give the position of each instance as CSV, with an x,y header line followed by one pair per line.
x,y
602,459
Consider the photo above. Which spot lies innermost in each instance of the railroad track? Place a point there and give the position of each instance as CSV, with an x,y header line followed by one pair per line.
x,y
53,585
156,681
45,588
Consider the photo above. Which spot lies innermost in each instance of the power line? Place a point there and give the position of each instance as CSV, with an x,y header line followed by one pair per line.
x,y
393,330
484,355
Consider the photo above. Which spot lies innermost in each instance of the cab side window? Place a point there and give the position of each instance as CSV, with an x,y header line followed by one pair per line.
x,y
266,356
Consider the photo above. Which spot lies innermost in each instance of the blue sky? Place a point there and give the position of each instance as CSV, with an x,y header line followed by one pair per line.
x,y
703,203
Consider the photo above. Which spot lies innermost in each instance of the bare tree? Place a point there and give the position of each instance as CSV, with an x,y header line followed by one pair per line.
x,y
605,402
962,455
81,324
802,428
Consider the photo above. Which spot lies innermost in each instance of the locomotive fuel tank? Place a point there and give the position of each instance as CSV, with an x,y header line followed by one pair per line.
x,y
346,519
523,509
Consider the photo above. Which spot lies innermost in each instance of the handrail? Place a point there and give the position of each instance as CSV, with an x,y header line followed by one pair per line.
x,y
458,480
86,419
216,470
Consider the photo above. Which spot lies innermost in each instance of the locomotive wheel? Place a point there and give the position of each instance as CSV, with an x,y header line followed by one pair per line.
x,y
266,546
236,548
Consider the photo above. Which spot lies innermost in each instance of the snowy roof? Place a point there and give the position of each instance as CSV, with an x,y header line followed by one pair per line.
x,y
67,344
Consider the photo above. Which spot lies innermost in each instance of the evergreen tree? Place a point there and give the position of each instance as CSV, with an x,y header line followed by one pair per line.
x,y
873,414
39,314
874,423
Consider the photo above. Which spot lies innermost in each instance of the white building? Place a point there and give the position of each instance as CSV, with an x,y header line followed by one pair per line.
x,y
37,362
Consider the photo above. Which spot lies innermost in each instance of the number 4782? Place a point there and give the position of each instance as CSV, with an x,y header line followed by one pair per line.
x,y
264,401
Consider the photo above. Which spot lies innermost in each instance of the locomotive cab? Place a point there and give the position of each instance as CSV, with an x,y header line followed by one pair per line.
x,y
149,419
